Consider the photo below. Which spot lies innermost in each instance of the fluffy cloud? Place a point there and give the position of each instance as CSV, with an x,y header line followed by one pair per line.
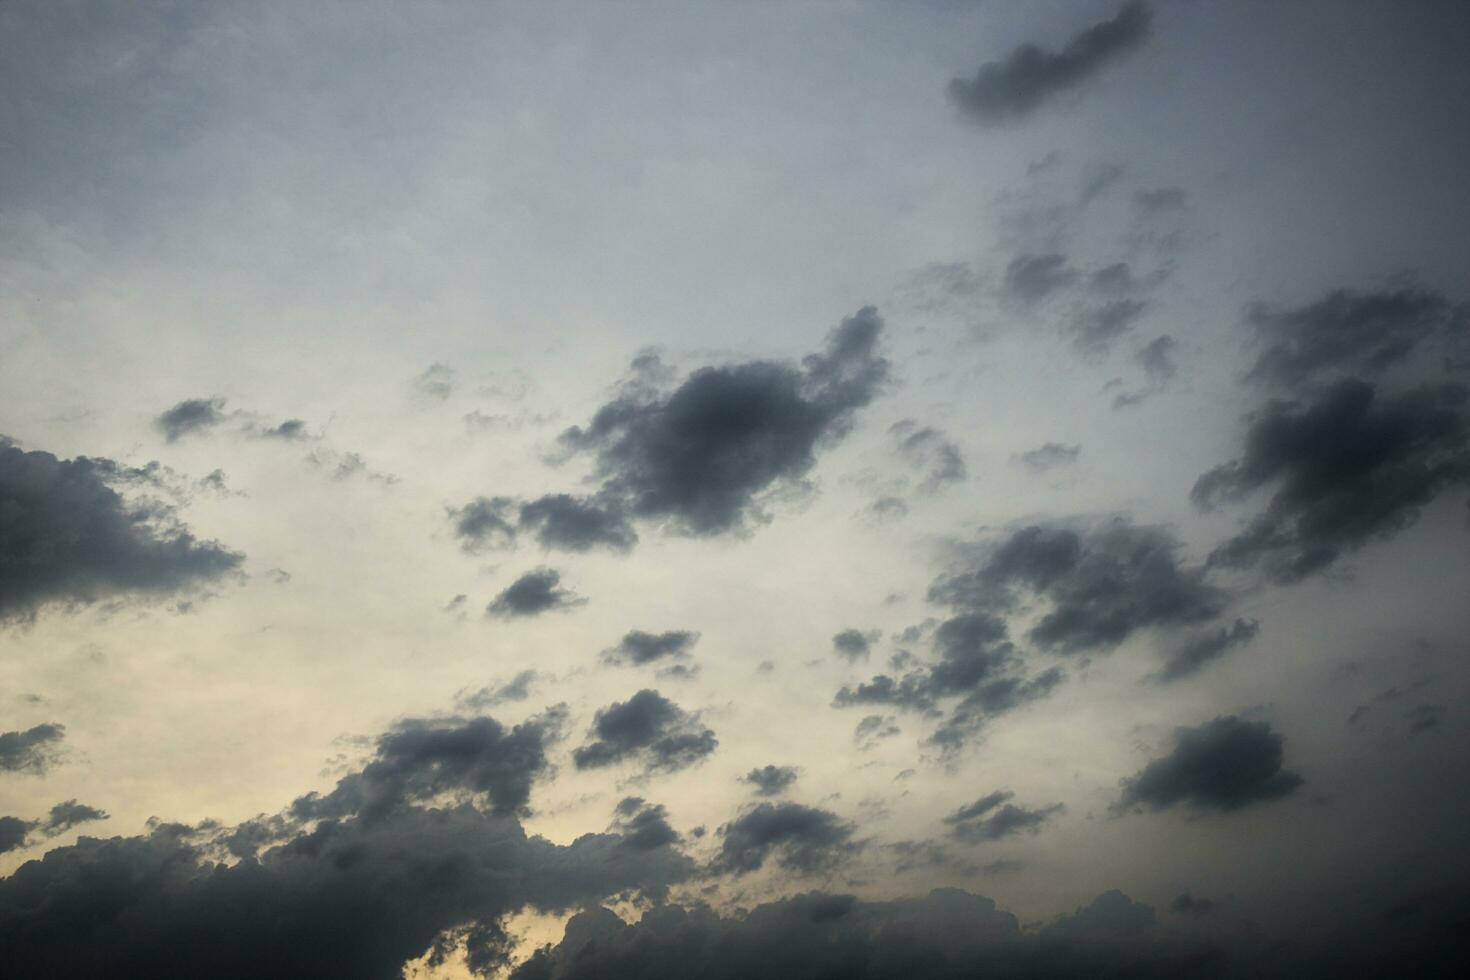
x,y
191,416
992,818
647,727
1221,765
770,780
34,750
637,647
535,592
68,537
800,838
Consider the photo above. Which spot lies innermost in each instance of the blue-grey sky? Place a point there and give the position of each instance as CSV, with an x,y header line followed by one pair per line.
x,y
472,466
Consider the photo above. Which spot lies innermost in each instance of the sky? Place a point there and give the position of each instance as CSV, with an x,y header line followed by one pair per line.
x,y
832,489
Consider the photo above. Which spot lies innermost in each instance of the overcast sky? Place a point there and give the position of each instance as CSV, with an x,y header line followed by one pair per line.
x,y
861,489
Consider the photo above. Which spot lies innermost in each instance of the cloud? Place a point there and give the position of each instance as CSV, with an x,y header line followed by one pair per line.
x,y
1048,457
647,727
1032,278
535,592
1347,468
1158,201
1110,916
643,826
1103,583
1095,329
67,537
1202,648
1223,765
291,430
699,458
800,838
770,780
34,750
1007,821
1348,333
1187,904
926,448
1011,90
420,759
637,648
853,645
559,522
189,417
873,729
518,688
357,893
16,833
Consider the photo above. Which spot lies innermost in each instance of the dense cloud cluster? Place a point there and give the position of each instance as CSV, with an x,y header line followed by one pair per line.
x,y
351,884
643,826
558,521
68,537
33,750
853,645
1010,90
770,780
799,838
535,592
1222,765
649,728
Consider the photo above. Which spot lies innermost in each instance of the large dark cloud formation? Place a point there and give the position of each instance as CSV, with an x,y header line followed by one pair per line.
x,y
647,727
1221,765
1010,90
67,537
433,861
16,833
33,750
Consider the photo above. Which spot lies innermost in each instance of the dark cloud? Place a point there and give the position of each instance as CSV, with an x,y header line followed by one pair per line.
x,y
980,807
1157,359
291,430
484,523
68,537
700,458
926,448
1112,915
1048,457
1202,648
1006,821
638,648
1011,90
1349,334
437,381
570,523
1032,278
1103,584
16,833
420,759
770,780
1347,468
1222,765
355,894
535,592
975,663
873,729
647,727
1187,904
190,417
644,826
34,750
1425,718
853,645
800,838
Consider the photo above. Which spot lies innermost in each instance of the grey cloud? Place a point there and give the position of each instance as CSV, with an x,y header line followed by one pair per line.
x,y
873,729
189,417
67,537
1154,202
699,457
419,759
1187,904
437,381
1348,468
1202,648
980,807
1223,765
1349,333
34,750
535,592
1006,821
484,523
1112,915
927,448
1032,278
638,647
770,780
1095,329
647,727
800,838
1103,584
644,826
1011,90
1048,457
1157,359
13,833
853,645
16,833
570,523
291,430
